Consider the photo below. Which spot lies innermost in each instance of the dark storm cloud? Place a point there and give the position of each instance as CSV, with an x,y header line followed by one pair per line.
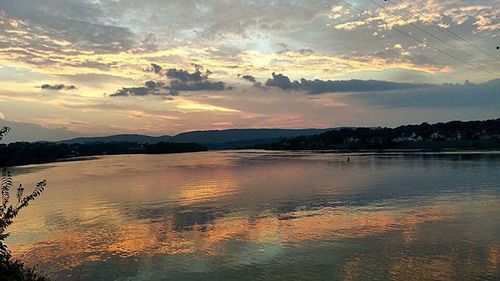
x,y
57,87
179,81
448,95
328,86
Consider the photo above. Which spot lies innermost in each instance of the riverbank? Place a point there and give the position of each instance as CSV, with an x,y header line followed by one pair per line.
x,y
16,154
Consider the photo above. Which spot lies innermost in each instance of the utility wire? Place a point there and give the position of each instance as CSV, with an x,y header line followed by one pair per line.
x,y
423,42
428,33
456,36
448,30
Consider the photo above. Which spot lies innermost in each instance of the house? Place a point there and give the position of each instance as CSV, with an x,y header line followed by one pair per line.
x,y
412,138
457,136
437,136
352,140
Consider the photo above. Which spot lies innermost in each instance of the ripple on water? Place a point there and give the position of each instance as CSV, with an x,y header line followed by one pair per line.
x,y
256,215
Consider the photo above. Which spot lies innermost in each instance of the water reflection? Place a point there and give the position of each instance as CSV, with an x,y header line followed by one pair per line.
x,y
251,215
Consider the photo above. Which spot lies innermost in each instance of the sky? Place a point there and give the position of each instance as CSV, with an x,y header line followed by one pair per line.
x,y
101,67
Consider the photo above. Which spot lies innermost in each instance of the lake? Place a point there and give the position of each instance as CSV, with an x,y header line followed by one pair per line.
x,y
264,215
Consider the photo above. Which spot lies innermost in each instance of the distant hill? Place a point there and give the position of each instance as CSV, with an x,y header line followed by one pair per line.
x,y
230,138
119,138
238,135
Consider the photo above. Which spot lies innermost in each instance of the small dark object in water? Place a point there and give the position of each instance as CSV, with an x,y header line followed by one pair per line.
x,y
348,159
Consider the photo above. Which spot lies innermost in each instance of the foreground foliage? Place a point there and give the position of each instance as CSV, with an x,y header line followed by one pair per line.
x,y
9,268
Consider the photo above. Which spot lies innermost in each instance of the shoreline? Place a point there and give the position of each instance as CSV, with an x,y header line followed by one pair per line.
x,y
468,151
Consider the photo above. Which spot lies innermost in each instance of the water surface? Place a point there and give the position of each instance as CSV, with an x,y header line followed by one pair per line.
x,y
255,215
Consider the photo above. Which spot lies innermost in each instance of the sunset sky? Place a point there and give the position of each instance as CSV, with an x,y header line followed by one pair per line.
x,y
100,67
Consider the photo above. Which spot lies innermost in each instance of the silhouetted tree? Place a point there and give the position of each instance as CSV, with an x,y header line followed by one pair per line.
x,y
9,269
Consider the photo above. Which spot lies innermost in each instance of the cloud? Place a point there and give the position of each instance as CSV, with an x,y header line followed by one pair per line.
x,y
186,76
251,79
248,78
155,68
57,24
22,131
108,37
57,87
305,52
447,95
482,14
198,86
180,74
328,86
211,18
194,106
179,81
283,82
150,88
94,80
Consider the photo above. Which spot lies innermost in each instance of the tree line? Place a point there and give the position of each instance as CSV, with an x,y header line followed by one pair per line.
x,y
455,134
21,153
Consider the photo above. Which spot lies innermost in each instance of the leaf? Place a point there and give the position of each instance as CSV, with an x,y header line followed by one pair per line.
x,y
3,132
19,193
6,185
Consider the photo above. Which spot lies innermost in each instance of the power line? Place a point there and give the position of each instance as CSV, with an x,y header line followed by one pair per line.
x,y
447,43
422,42
428,33
450,31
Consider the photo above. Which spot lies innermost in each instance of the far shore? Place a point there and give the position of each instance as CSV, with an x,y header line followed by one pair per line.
x,y
465,151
